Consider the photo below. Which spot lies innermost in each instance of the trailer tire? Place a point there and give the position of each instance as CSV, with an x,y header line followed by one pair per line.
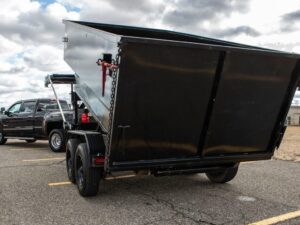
x,y
57,140
224,175
87,178
70,158
2,139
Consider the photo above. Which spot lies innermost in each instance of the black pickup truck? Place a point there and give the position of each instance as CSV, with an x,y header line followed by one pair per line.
x,y
35,119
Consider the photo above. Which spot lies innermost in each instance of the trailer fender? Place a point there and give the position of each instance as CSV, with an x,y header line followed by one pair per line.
x,y
95,145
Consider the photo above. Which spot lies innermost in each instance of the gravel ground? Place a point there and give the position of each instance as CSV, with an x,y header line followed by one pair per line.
x,y
290,146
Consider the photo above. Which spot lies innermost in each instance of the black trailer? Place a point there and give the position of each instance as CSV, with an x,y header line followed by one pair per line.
x,y
173,103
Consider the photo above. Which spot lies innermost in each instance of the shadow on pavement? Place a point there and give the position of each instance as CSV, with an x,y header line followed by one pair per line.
x,y
24,144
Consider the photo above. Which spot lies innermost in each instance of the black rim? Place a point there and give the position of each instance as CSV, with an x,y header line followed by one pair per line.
x,y
80,177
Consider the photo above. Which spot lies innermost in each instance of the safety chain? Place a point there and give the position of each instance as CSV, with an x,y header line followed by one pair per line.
x,y
112,105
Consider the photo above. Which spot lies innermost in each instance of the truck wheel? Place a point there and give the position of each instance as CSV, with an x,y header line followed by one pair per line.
x,y
57,140
70,156
223,176
2,139
87,178
30,141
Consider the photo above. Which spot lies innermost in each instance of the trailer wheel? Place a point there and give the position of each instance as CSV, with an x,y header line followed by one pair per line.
x,y
224,175
87,178
31,141
2,139
70,157
57,140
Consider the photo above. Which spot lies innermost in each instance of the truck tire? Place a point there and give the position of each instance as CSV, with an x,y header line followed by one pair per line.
x,y
87,178
223,176
30,141
70,157
57,140
2,139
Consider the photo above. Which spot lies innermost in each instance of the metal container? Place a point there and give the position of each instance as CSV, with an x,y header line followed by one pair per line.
x,y
179,99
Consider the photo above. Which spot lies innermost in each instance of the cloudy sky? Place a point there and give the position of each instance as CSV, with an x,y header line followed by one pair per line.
x,y
31,31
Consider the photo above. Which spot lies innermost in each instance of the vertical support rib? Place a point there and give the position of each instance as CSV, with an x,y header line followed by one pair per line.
x,y
211,102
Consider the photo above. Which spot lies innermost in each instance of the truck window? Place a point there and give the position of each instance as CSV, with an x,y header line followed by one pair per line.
x,y
46,105
28,107
15,108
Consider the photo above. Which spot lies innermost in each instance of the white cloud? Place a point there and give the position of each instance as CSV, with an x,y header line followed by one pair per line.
x,y
12,9
31,46
8,50
296,49
45,58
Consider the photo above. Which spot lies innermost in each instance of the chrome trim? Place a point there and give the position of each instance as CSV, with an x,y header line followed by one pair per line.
x,y
56,141
20,138
19,128
57,100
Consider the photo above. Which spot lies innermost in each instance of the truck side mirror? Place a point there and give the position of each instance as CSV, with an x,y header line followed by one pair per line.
x,y
7,113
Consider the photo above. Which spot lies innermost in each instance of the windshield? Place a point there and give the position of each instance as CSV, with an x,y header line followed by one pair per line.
x,y
52,105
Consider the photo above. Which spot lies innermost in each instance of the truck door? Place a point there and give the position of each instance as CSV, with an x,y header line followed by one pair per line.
x,y
10,122
39,117
26,119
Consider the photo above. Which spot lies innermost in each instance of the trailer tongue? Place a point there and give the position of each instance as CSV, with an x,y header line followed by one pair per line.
x,y
170,103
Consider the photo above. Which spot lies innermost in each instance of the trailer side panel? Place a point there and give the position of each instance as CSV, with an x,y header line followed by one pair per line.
x,y
83,48
250,95
163,94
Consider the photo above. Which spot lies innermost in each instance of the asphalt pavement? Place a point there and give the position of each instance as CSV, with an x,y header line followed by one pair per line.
x,y
34,189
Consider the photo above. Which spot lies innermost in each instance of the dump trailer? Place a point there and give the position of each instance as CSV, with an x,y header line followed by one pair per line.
x,y
172,103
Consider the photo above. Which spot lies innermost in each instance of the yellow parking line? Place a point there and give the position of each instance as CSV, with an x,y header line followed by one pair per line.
x,y
59,183
108,178
37,160
277,219
25,149
120,177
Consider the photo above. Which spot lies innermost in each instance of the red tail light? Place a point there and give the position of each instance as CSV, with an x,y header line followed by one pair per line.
x,y
85,118
99,160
